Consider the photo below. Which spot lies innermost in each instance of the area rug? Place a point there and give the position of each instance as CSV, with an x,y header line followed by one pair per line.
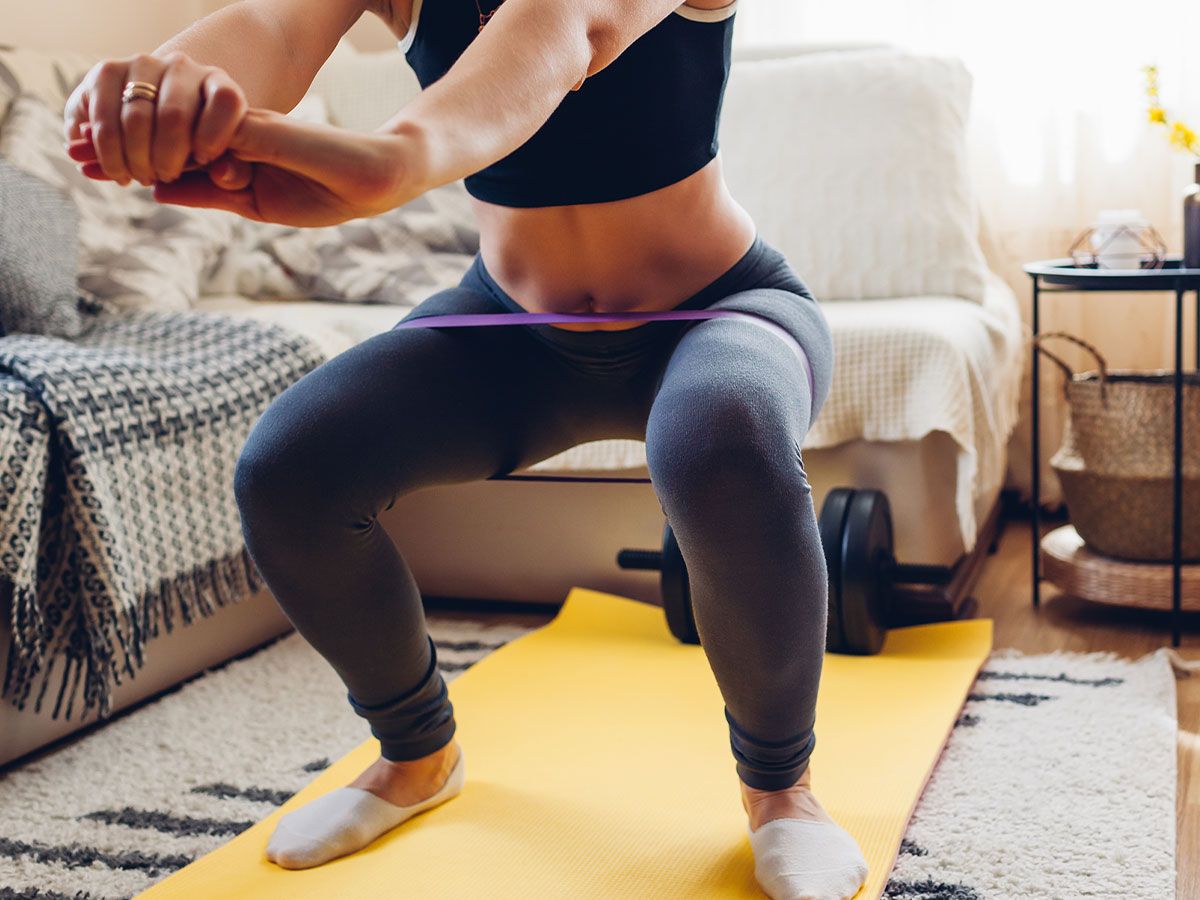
x,y
1024,802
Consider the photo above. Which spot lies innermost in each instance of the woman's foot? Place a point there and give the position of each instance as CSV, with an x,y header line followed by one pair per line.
x,y
800,853
348,818
411,781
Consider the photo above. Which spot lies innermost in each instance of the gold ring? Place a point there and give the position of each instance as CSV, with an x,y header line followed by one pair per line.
x,y
135,90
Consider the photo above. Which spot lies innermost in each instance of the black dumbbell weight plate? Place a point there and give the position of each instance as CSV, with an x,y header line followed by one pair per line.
x,y
866,554
832,525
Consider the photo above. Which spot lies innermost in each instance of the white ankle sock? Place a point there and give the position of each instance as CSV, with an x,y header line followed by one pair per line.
x,y
345,820
796,859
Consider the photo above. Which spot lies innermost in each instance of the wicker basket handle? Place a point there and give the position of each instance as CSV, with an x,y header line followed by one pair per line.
x,y
1070,373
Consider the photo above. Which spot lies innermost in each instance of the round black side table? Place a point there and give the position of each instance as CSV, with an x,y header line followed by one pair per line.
x,y
1060,276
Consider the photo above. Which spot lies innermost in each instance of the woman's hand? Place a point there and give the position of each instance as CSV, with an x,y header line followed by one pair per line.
x,y
279,169
195,113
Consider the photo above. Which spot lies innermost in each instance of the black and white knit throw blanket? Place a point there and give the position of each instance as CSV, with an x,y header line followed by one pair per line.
x,y
117,513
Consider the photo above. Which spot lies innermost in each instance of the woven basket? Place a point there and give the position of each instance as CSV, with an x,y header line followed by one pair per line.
x,y
1116,460
1077,570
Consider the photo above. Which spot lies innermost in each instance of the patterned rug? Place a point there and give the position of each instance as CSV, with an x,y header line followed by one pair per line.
x,y
1058,780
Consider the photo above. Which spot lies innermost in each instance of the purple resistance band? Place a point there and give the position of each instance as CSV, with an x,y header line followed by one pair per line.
x,y
485,320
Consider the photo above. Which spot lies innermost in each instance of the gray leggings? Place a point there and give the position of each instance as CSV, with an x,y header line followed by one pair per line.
x,y
723,406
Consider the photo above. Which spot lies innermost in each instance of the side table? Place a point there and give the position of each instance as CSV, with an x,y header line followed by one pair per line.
x,y
1058,276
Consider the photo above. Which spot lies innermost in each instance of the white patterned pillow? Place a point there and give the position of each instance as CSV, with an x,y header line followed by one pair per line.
x,y
399,257
854,164
135,253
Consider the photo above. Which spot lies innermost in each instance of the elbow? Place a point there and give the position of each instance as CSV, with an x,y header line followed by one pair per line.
x,y
411,170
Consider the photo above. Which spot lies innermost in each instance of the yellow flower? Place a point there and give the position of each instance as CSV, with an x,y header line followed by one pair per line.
x,y
1182,136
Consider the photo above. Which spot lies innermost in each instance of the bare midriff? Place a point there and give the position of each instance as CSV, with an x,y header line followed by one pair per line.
x,y
645,253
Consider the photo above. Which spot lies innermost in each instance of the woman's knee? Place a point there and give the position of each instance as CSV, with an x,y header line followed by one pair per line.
x,y
272,475
726,440
799,315
295,469
306,468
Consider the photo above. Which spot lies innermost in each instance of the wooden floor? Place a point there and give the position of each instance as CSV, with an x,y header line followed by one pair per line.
x,y
1065,623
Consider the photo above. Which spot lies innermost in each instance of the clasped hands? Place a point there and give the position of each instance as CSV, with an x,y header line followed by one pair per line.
x,y
201,144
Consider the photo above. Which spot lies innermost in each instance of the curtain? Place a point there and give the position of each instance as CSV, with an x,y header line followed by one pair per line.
x,y
1059,131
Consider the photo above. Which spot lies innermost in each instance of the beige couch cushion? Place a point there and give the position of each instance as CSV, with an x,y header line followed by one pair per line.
x,y
855,166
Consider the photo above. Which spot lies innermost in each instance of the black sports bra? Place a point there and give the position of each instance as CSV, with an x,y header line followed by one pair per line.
x,y
646,120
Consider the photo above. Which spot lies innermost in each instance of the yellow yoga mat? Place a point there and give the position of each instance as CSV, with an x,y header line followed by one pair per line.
x,y
598,765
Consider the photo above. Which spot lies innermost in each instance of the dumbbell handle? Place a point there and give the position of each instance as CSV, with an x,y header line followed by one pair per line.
x,y
651,560
914,573
901,573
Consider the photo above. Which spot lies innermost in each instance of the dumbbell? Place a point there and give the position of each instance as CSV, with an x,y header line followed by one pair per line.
x,y
856,535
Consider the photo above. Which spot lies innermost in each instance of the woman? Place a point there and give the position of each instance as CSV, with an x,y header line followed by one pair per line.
x,y
586,134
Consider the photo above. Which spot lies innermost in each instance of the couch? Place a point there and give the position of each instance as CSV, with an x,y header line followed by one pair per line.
x,y
852,160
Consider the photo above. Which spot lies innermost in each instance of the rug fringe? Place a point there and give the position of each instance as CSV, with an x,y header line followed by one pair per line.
x,y
1093,656
1182,668
93,659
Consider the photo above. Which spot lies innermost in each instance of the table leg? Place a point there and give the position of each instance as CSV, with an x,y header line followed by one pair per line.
x,y
1177,480
1035,456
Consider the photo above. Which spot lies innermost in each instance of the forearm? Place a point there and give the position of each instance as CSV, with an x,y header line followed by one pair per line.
x,y
498,93
250,43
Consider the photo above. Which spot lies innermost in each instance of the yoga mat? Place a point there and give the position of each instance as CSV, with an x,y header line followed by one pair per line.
x,y
598,765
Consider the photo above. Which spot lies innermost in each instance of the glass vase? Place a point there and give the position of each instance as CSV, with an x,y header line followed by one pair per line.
x,y
1191,223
